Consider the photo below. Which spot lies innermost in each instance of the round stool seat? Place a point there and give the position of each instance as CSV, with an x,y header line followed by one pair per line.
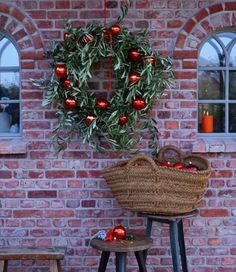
x,y
140,244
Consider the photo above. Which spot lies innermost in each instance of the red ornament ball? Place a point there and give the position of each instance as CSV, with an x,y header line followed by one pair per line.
x,y
123,119
115,30
134,55
66,36
102,104
119,232
138,103
152,61
89,119
70,103
67,84
61,70
134,77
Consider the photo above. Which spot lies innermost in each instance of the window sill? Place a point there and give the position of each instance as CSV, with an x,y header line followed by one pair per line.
x,y
12,146
214,145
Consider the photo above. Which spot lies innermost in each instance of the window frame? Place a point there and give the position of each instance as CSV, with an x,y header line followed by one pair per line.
x,y
7,135
226,68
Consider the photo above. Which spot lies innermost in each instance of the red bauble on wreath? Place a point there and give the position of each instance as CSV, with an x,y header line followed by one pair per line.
x,y
119,232
61,70
134,77
89,119
138,103
123,119
66,36
67,84
70,103
134,55
115,30
102,104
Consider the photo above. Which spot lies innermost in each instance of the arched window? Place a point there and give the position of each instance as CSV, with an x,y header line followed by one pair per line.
x,y
217,85
10,102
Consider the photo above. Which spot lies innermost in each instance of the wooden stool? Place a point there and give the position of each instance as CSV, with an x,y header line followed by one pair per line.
x,y
121,247
54,255
177,242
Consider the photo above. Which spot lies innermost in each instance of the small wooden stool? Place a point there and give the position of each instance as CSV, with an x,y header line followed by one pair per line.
x,y
121,248
176,231
54,255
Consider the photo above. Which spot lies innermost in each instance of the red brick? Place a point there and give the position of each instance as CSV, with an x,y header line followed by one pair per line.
x,y
216,8
42,194
16,13
53,174
186,54
55,14
190,64
4,8
181,39
215,213
230,6
27,213
201,14
189,25
185,75
5,174
60,214
62,4
174,24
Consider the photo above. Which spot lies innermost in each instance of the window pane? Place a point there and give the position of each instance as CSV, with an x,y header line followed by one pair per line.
x,y
217,111
226,37
232,58
232,118
9,117
232,85
211,85
8,53
9,85
211,54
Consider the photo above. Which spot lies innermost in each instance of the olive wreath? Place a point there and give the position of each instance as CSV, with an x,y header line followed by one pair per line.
x,y
121,118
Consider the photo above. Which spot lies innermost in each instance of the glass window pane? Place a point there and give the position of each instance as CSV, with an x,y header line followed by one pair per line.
x,y
8,53
226,37
211,85
232,118
211,54
216,115
232,85
9,78
232,57
9,117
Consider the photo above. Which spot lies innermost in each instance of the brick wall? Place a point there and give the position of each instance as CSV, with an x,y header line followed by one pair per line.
x,y
61,200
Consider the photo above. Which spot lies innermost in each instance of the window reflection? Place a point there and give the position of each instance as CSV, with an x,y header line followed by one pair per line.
x,y
9,88
211,54
211,85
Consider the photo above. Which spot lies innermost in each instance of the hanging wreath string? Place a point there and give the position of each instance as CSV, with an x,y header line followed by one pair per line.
x,y
117,120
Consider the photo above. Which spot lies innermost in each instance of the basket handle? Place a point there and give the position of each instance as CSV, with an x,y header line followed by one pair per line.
x,y
145,158
164,149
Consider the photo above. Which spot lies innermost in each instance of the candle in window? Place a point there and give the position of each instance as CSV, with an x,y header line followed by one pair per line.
x,y
207,122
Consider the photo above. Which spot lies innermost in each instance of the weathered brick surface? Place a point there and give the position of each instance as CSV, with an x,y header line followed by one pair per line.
x,y
49,199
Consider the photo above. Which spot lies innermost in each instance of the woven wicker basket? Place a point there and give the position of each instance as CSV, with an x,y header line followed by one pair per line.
x,y
142,185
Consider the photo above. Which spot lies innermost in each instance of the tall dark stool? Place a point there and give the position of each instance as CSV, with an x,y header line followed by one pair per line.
x,y
176,233
121,248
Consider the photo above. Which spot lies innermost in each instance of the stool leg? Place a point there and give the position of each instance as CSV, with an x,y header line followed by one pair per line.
x,y
120,261
103,261
182,246
174,245
3,266
53,266
140,260
148,234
